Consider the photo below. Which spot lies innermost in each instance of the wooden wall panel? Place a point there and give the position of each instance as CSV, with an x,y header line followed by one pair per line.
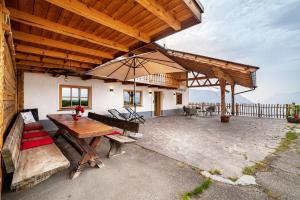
x,y
9,90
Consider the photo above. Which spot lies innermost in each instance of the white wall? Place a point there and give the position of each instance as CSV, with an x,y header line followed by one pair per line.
x,y
42,91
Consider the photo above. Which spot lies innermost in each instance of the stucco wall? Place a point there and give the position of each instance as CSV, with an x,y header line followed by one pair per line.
x,y
42,91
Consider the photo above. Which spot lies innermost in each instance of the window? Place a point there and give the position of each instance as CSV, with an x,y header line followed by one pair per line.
x,y
178,98
71,96
128,97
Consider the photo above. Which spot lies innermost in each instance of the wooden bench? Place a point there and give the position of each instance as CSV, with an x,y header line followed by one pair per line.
x,y
30,166
116,139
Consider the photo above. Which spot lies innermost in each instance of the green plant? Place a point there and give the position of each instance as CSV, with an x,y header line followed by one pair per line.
x,y
198,190
215,172
248,170
291,135
259,166
233,179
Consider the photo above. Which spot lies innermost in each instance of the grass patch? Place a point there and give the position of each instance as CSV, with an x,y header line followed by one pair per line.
x,y
248,170
198,190
233,179
285,142
291,135
259,166
215,172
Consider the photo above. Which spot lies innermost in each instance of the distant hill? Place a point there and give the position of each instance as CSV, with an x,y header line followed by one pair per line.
x,y
213,97
284,98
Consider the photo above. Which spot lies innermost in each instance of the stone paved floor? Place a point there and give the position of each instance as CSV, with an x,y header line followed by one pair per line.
x,y
208,144
139,174
142,174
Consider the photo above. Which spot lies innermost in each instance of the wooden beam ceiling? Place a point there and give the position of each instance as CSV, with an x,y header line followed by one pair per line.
x,y
29,57
48,65
58,44
90,13
31,20
55,54
158,10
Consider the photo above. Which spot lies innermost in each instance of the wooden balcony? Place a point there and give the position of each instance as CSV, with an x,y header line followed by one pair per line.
x,y
165,80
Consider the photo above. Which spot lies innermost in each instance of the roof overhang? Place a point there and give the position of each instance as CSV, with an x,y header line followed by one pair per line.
x,y
205,68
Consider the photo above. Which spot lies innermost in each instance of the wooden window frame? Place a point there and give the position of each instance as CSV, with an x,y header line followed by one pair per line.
x,y
131,105
179,94
75,86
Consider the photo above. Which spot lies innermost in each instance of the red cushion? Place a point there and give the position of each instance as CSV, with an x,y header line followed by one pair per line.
x,y
27,135
115,133
33,126
36,143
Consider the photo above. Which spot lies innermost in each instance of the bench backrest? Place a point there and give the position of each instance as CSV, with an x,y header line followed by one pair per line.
x,y
11,147
122,124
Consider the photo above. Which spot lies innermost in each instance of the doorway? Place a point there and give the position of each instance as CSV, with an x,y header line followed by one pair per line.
x,y
157,103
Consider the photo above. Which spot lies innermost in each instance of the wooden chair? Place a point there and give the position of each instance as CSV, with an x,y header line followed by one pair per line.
x,y
30,166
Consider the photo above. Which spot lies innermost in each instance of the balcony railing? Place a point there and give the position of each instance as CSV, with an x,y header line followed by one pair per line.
x,y
166,80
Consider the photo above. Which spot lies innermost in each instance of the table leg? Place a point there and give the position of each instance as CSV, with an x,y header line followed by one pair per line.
x,y
90,157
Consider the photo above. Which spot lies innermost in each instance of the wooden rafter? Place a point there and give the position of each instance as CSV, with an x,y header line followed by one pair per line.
x,y
158,10
58,44
47,65
222,75
30,68
198,80
214,62
25,18
55,54
193,6
90,13
43,59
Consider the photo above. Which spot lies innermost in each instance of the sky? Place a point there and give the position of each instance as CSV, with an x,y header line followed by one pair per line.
x,y
263,33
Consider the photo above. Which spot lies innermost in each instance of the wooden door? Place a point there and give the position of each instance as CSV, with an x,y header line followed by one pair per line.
x,y
157,103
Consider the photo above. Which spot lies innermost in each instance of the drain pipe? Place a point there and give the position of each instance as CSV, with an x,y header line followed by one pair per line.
x,y
245,91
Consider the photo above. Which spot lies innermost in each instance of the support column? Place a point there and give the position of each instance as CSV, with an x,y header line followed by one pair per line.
x,y
232,100
223,105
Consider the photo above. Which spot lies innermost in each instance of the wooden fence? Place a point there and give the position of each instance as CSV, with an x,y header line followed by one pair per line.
x,y
253,110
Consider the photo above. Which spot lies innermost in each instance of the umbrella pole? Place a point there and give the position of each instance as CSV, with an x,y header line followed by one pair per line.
x,y
134,88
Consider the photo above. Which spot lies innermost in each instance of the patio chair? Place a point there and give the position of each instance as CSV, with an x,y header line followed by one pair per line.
x,y
117,115
211,110
191,111
135,115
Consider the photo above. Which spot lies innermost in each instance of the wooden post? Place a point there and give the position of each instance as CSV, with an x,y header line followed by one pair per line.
x,y
232,100
223,106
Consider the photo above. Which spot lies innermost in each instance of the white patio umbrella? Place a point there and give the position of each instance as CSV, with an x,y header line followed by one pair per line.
x,y
135,66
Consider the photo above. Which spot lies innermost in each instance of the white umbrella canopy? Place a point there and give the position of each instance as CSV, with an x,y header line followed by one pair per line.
x,y
136,66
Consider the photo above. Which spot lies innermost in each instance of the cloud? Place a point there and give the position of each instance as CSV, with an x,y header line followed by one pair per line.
x,y
263,33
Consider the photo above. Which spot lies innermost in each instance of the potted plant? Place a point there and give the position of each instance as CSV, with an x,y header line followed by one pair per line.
x,y
78,109
293,115
225,118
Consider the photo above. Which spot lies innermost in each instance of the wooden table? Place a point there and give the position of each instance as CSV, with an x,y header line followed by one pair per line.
x,y
75,132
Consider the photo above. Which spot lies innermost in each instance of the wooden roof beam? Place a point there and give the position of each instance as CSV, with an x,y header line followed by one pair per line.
x,y
158,10
31,20
90,13
44,59
55,54
194,7
48,65
222,75
58,44
30,68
